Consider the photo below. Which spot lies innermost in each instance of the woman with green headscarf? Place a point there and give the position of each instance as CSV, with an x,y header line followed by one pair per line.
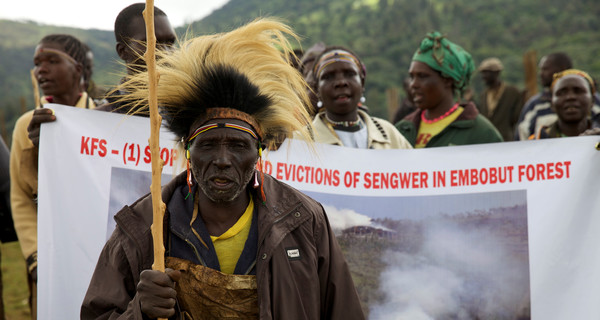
x,y
439,73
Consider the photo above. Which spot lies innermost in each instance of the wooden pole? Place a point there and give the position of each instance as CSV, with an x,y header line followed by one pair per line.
x,y
158,206
530,70
36,90
393,102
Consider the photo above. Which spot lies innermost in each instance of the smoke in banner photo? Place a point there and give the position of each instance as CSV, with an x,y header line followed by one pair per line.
x,y
436,257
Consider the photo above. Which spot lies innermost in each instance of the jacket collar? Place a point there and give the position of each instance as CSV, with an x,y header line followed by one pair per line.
x,y
374,129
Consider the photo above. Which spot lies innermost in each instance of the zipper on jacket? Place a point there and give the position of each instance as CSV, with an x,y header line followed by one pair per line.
x,y
191,246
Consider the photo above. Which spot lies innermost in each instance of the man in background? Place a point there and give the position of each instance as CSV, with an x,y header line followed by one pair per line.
x,y
537,112
130,34
500,102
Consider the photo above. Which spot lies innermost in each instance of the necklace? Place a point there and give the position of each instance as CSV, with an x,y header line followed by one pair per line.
x,y
352,123
440,117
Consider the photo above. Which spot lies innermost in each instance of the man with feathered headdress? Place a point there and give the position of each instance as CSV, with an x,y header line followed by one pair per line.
x,y
239,244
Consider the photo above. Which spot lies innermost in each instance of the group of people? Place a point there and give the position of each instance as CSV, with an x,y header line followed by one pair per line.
x,y
231,230
543,115
437,112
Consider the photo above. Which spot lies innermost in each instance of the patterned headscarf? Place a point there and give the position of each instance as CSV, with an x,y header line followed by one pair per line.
x,y
580,73
450,59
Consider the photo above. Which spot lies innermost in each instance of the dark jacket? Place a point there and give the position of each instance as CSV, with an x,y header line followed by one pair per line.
x,y
506,114
7,228
553,131
317,285
469,128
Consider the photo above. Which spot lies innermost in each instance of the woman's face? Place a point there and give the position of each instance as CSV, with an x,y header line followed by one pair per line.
x,y
572,98
427,86
57,74
340,88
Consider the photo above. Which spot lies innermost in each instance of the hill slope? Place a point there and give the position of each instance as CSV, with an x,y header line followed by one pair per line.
x,y
385,33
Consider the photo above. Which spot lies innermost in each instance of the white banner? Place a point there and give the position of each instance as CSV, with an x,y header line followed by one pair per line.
x,y
497,231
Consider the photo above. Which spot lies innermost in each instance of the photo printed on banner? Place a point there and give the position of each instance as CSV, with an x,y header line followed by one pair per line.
x,y
461,256
127,186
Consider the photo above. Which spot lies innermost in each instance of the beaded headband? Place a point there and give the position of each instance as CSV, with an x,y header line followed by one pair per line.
x,y
337,56
229,113
221,125
224,113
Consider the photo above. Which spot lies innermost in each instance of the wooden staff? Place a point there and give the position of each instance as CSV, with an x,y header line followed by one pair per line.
x,y
530,69
36,89
158,206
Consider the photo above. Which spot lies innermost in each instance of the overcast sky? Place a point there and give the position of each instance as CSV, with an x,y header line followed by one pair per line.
x,y
101,14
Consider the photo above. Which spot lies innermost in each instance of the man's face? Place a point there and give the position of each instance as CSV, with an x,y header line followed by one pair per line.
x,y
427,86
55,72
571,98
547,69
490,77
223,161
133,50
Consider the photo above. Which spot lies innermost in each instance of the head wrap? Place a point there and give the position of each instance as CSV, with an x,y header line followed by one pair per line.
x,y
448,58
580,73
244,74
491,64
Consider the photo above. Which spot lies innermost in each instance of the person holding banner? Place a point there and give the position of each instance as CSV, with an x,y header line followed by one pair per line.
x,y
59,61
339,77
239,244
572,100
439,73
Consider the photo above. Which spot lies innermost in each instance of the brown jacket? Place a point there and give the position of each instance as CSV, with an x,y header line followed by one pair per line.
x,y
506,114
318,285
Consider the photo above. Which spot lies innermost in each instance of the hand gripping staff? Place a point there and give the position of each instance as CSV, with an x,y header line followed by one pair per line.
x,y
158,206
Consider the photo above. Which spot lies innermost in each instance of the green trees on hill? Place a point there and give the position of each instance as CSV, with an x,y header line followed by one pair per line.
x,y
385,33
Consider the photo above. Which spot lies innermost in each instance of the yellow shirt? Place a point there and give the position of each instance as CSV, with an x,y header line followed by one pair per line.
x,y
430,130
230,244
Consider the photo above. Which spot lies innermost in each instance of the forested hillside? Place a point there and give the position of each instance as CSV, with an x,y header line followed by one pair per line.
x,y
385,33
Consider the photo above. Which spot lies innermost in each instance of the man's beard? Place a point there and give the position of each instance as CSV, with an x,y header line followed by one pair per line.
x,y
214,196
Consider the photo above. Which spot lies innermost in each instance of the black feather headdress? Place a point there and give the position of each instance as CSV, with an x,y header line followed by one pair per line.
x,y
246,71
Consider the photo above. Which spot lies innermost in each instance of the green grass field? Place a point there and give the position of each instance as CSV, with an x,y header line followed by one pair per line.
x,y
14,281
